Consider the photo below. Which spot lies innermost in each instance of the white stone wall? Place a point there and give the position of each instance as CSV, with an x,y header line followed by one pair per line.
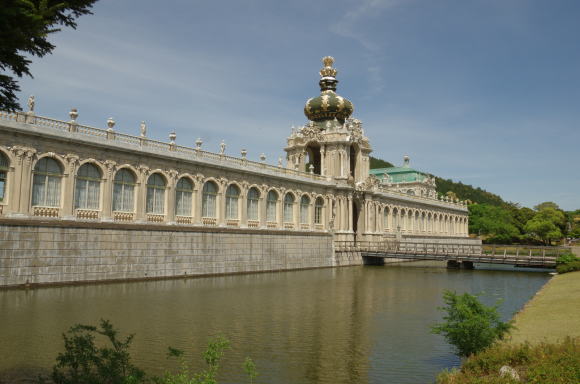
x,y
38,254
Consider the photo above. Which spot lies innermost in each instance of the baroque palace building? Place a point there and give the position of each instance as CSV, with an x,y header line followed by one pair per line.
x,y
62,171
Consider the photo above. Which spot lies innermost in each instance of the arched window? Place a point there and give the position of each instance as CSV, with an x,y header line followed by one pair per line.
x,y
4,164
124,191
396,219
156,194
232,197
271,203
289,208
386,218
318,206
304,209
209,199
46,183
88,187
253,200
183,197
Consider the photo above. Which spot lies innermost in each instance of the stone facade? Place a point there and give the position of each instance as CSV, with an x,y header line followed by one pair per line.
x,y
63,172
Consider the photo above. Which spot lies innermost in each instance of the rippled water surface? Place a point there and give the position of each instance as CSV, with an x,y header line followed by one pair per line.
x,y
345,325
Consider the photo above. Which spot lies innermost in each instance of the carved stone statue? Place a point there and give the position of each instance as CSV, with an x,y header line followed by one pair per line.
x,y
222,148
31,104
143,128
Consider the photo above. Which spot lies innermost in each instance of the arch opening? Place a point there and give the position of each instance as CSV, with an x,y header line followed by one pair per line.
x,y
314,158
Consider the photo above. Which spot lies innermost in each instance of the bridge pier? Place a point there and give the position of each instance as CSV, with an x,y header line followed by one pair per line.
x,y
454,264
467,265
373,260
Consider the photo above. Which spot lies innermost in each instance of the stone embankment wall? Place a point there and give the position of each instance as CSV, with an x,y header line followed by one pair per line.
x,y
46,253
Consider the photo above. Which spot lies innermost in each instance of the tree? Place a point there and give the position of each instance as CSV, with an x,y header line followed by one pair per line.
x,y
546,204
494,222
24,29
469,325
547,224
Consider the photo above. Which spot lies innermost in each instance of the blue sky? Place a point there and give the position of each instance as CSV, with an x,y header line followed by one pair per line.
x,y
486,92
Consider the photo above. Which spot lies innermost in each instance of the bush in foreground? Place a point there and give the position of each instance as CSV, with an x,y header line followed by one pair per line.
x,y
568,267
537,364
469,325
84,362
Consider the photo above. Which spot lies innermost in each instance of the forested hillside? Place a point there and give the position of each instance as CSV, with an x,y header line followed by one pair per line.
x,y
498,221
467,192
379,163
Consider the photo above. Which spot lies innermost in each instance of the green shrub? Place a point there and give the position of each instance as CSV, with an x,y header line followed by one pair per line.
x,y
537,364
569,267
566,258
469,325
83,362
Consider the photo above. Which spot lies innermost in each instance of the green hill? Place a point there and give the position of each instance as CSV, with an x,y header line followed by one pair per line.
x,y
462,191
379,163
468,192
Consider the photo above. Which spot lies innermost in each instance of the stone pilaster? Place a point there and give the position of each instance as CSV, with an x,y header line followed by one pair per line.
x,y
107,190
68,195
141,191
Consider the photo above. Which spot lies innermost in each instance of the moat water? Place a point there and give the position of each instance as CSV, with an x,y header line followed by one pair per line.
x,y
344,325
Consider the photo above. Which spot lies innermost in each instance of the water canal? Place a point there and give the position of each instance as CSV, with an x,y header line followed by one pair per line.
x,y
343,325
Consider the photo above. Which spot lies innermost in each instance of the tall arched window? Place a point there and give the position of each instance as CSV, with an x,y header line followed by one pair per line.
x,y
46,183
124,191
318,206
396,219
304,209
271,204
386,218
156,194
209,199
183,197
232,198
253,200
288,208
4,164
88,187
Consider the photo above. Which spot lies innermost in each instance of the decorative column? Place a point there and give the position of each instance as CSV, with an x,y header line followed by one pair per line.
x,y
140,214
197,199
280,208
69,185
22,181
350,213
243,205
171,184
322,160
221,203
262,206
107,190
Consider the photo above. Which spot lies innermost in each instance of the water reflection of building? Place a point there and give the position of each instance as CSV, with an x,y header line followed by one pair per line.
x,y
63,172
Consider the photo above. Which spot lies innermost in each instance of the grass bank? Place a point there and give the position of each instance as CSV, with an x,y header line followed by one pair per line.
x,y
553,314
545,347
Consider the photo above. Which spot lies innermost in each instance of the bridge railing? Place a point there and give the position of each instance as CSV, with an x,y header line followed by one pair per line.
x,y
524,250
533,255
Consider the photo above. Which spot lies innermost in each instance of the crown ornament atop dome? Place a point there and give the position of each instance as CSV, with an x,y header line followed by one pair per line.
x,y
328,106
328,71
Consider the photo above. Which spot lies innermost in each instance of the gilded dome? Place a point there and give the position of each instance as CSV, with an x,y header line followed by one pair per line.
x,y
329,105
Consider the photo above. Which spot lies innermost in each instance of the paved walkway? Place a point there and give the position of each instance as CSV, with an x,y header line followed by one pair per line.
x,y
553,313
